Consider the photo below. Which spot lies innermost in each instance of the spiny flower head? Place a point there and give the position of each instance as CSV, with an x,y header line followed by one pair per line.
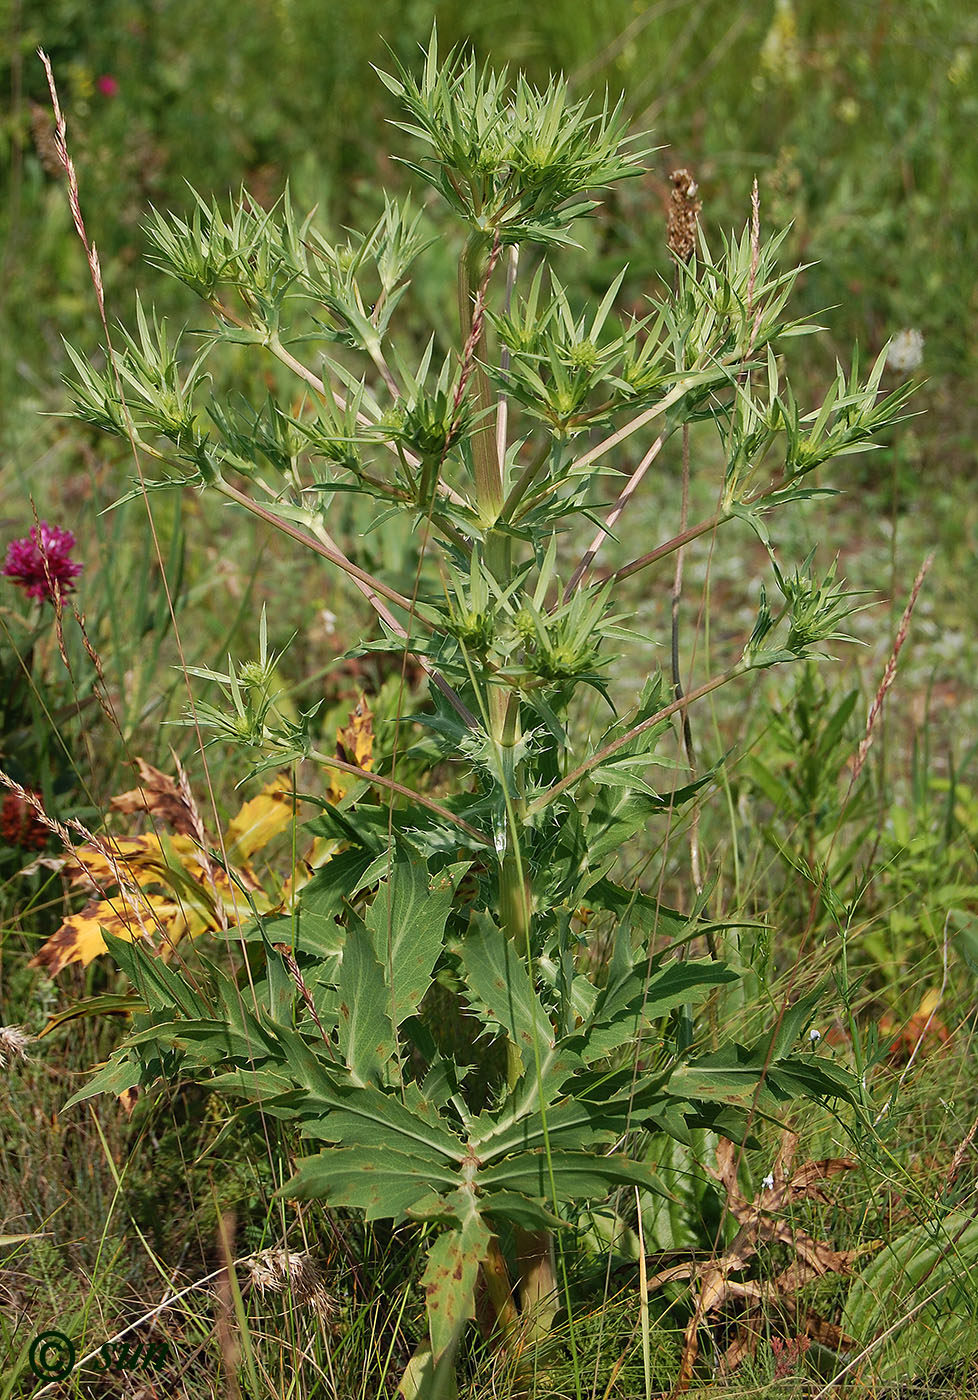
x,y
42,560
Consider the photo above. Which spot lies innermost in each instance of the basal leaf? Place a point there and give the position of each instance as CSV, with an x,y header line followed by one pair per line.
x,y
127,916
520,1210
497,981
368,1117
571,1124
161,988
121,1072
366,1034
382,1183
918,1296
577,1175
407,923
449,1281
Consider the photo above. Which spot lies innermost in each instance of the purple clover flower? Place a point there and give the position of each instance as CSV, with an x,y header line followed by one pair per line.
x,y
41,560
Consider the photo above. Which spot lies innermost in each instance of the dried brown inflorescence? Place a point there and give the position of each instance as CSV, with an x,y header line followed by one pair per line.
x,y
277,1270
684,212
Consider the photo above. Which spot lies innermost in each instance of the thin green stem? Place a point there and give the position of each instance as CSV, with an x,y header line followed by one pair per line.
x,y
318,385
703,527
391,785
372,589
545,799
525,480
367,583
600,449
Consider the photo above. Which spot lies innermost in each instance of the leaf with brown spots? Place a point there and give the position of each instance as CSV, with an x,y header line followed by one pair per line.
x,y
79,939
449,1281
166,885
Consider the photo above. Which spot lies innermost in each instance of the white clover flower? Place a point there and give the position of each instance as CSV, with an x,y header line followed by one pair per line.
x,y
906,351
14,1040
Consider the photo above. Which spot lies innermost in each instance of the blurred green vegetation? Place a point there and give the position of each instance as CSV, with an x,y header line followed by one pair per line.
x,y
857,120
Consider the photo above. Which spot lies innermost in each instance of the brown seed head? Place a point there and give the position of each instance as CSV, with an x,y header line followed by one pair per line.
x,y
684,211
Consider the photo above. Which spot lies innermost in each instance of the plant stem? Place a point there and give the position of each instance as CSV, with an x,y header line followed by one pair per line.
x,y
488,475
588,558
514,894
538,1280
367,583
534,1249
525,480
303,372
369,586
702,527
378,780
583,768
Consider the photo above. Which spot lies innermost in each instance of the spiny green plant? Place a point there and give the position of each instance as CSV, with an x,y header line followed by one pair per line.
x,y
469,898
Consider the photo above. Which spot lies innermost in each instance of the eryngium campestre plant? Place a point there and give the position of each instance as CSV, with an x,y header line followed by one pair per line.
x,y
384,985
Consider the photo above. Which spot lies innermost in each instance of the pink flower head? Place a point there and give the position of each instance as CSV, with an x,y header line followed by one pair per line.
x,y
107,85
40,560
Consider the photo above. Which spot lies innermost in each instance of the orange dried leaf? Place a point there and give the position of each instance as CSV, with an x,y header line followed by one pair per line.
x,y
159,795
355,743
138,860
127,1100
924,1033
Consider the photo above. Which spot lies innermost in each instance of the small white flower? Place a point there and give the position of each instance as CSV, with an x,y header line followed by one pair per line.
x,y
814,1035
14,1040
906,351
768,1182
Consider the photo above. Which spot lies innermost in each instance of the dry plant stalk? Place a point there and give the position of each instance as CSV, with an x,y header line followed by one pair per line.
x,y
760,1224
889,674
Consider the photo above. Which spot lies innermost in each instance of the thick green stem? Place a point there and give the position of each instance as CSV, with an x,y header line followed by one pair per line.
x,y
500,1290
539,1298
534,1248
514,892
488,475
